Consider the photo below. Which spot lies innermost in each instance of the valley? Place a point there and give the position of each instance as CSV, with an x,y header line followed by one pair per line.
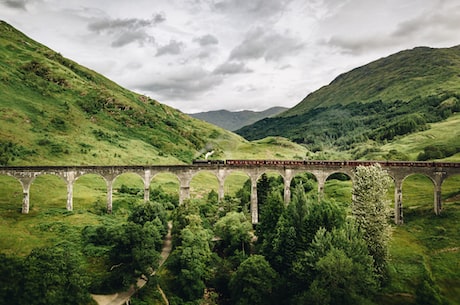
x,y
55,112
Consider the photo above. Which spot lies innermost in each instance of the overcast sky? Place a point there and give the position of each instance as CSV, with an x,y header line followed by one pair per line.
x,y
200,55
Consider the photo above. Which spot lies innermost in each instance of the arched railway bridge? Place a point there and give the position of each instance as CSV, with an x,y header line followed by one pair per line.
x,y
288,169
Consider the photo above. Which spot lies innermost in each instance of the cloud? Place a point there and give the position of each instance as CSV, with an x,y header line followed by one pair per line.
x,y
173,48
16,4
183,83
407,26
256,8
443,20
206,40
231,68
126,31
262,43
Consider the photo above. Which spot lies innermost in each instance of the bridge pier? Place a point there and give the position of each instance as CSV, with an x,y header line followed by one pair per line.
x,y
69,205
254,206
70,179
438,179
109,195
147,179
25,183
398,217
287,186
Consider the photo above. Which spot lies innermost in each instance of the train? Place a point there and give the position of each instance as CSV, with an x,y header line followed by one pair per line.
x,y
326,163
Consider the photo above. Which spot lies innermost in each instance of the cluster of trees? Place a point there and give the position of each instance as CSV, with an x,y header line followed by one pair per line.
x,y
106,258
433,152
308,252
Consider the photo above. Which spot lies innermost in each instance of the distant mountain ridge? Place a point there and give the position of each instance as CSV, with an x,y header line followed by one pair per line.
x,y
233,120
374,104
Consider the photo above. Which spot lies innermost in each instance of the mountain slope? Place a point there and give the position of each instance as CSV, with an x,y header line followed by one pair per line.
x,y
374,104
421,71
233,120
54,111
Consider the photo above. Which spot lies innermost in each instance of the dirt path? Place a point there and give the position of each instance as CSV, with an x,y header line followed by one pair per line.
x,y
123,297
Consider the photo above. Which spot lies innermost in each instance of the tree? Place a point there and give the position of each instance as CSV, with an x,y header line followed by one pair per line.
x,y
337,268
266,229
371,210
54,275
233,230
189,261
11,274
253,282
134,251
149,211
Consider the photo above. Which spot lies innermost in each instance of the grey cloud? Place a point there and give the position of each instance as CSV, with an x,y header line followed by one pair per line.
x,y
125,31
183,84
260,8
16,4
437,24
206,40
444,21
232,68
125,38
173,47
262,43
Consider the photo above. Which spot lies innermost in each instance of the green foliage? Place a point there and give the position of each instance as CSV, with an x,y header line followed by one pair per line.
x,y
52,275
233,230
433,152
371,210
188,263
149,211
253,282
337,267
9,151
11,274
129,251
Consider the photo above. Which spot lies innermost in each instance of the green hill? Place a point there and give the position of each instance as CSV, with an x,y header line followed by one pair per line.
x,y
54,111
372,105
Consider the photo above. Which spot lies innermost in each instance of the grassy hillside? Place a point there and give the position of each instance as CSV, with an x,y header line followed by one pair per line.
x,y
54,111
379,103
233,120
402,76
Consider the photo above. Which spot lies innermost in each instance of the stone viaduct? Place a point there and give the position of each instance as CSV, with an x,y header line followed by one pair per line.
x,y
437,172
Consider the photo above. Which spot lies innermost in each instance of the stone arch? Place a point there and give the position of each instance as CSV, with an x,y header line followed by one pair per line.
x,y
203,182
234,181
257,205
309,181
11,191
129,184
338,186
166,182
48,190
450,191
418,191
90,191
